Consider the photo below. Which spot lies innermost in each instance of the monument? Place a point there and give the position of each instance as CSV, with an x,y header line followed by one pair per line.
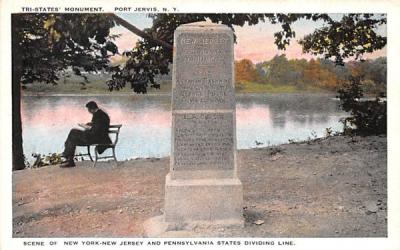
x,y
202,187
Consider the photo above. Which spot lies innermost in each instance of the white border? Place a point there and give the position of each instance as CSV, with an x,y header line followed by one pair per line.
x,y
392,8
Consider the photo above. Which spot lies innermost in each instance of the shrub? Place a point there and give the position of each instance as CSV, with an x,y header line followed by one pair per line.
x,y
368,117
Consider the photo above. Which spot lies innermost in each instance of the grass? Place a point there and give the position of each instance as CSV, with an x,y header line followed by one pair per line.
x,y
97,85
254,87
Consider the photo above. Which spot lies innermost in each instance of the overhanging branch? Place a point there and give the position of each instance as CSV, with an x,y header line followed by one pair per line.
x,y
139,32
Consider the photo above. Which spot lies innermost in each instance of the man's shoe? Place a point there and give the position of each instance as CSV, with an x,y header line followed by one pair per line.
x,y
68,165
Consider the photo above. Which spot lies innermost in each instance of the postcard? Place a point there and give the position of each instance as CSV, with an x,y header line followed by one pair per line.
x,y
152,124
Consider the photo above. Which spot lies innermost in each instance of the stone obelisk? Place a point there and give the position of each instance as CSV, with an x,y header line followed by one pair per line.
x,y
202,187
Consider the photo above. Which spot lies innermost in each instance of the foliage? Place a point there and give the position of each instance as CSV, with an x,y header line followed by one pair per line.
x,y
315,74
328,132
46,44
245,70
148,59
50,159
279,70
368,117
51,43
372,74
353,35
46,160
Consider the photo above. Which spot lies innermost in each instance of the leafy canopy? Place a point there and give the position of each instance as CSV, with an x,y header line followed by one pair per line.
x,y
50,43
352,36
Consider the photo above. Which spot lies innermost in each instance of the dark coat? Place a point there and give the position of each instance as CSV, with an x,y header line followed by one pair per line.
x,y
98,133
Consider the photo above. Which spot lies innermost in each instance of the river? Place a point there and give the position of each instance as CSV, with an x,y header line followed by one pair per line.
x,y
268,119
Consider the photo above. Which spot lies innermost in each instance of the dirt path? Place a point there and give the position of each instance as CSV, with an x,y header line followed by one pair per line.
x,y
330,188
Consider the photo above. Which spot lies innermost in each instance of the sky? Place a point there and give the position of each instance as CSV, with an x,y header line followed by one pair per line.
x,y
253,42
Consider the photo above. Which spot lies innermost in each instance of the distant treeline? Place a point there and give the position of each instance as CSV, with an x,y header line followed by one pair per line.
x,y
312,74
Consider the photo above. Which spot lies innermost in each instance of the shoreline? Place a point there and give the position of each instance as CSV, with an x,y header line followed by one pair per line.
x,y
331,95
332,187
167,94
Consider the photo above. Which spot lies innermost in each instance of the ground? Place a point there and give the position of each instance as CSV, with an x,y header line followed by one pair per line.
x,y
334,187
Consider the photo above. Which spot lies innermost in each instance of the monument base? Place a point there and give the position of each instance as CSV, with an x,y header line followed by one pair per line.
x,y
198,204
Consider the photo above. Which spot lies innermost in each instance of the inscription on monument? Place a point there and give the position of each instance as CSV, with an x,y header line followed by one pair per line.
x,y
203,72
203,141
203,102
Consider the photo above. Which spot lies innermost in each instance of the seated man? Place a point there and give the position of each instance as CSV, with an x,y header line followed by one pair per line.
x,y
96,132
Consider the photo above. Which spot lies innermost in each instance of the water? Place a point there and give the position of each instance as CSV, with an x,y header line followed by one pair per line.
x,y
269,119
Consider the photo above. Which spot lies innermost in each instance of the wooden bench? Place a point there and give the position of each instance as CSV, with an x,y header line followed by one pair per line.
x,y
113,132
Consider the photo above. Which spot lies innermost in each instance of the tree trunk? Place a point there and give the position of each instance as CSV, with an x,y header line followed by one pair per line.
x,y
17,150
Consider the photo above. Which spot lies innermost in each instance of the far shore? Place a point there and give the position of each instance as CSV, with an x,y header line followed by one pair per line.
x,y
93,94
333,94
97,87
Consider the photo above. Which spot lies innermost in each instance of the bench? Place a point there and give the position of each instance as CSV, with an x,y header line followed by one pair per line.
x,y
113,131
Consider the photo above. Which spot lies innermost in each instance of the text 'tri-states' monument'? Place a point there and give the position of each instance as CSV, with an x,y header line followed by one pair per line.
x,y
202,187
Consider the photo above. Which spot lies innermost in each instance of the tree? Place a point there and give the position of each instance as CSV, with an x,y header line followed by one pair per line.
x,y
320,75
150,58
279,70
371,73
368,117
339,41
245,71
45,44
352,36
